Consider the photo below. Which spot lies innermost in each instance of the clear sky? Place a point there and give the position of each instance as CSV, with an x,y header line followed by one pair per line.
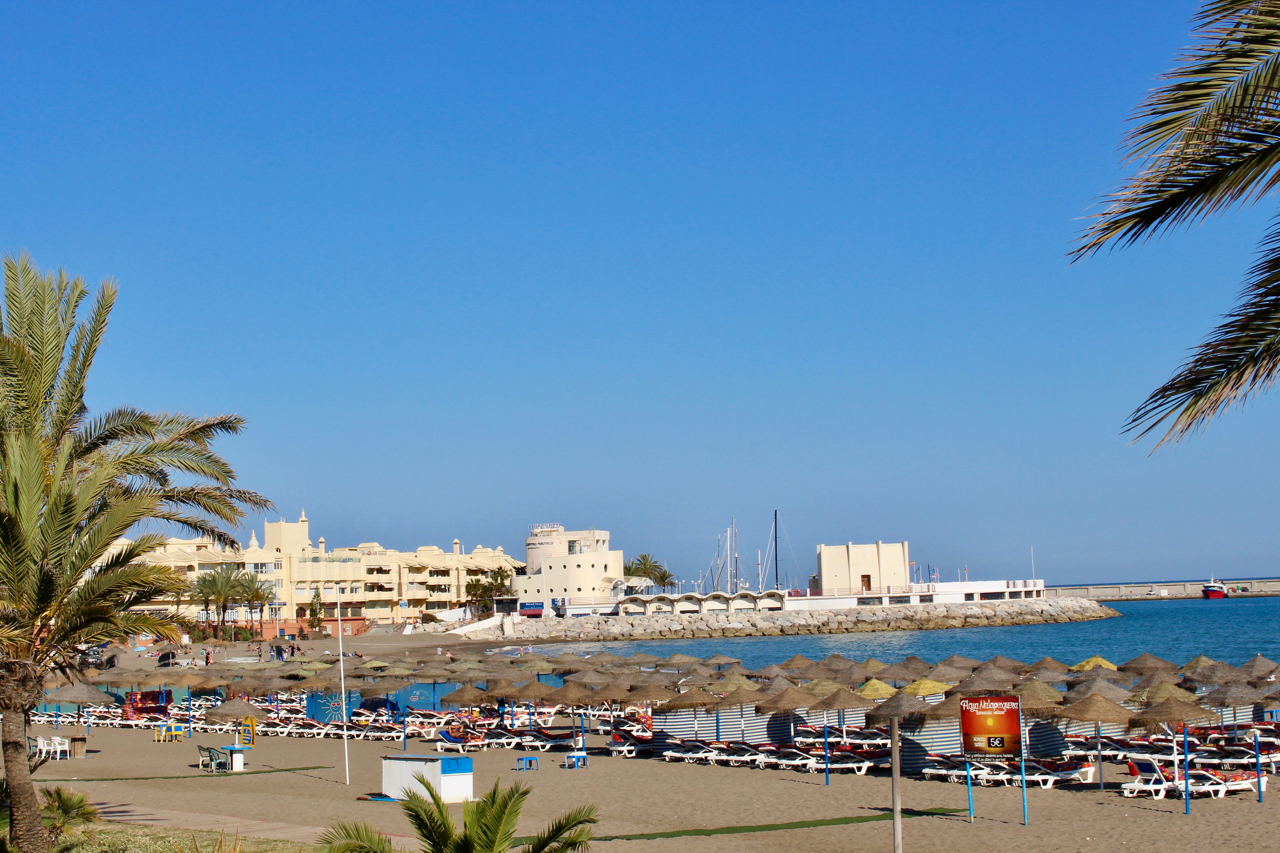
x,y
646,267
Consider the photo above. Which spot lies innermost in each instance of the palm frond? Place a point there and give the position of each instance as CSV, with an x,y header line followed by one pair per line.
x,y
355,838
1241,357
569,833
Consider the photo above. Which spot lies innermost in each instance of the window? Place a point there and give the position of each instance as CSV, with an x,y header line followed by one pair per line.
x,y
992,596
1016,594
926,599
870,602
968,596
899,599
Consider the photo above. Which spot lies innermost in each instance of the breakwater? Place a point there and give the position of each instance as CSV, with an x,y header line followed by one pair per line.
x,y
744,623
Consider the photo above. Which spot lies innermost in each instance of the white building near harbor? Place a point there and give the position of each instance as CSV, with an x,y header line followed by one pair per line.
x,y
569,572
861,569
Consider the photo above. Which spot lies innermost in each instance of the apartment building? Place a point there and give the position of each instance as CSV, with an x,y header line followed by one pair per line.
x,y
374,583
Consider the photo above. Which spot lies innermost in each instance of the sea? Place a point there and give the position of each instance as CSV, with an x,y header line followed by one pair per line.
x,y
1231,630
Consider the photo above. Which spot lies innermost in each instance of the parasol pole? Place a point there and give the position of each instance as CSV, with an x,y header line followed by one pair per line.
x,y
1097,739
968,783
342,677
1257,762
895,763
1186,766
1022,763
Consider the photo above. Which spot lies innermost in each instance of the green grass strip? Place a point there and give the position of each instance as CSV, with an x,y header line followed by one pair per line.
x,y
763,827
191,776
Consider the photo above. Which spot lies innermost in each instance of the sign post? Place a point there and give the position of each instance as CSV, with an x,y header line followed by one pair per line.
x,y
991,729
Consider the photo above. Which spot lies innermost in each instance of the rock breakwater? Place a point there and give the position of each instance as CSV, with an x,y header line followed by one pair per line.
x,y
685,626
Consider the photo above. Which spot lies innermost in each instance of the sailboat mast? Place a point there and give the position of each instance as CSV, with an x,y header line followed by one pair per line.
x,y
777,584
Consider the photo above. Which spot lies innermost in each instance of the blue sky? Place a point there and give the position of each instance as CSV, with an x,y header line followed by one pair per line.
x,y
645,267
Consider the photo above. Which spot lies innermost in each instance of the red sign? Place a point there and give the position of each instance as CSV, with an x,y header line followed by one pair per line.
x,y
991,727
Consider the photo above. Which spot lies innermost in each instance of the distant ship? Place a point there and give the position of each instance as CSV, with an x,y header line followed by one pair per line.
x,y
1214,589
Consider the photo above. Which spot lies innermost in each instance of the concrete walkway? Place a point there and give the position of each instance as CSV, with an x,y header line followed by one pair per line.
x,y
126,813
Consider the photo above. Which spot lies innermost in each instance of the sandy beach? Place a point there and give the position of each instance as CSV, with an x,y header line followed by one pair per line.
x,y
646,796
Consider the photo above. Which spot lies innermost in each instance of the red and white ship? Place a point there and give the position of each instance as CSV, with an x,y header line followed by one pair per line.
x,y
1214,589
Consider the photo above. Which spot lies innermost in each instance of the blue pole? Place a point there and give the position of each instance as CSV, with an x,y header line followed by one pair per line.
x,y
1186,768
1022,763
826,749
1257,762
57,715
968,783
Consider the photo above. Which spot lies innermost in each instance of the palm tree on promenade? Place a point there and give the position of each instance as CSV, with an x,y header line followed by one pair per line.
x,y
1206,141
72,485
65,585
488,826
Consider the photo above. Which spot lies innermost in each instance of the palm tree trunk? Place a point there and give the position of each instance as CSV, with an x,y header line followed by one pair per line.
x,y
19,690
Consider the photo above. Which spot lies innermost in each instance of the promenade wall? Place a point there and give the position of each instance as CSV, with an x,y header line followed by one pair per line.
x,y
747,623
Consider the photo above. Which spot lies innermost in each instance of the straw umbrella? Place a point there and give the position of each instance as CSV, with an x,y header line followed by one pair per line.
x,y
820,687
1005,663
992,672
770,671
897,674
1049,663
790,699
873,665
1147,663
839,701
1159,692
467,695
894,709
1259,667
1232,696
1197,662
947,674
721,660
960,662
1217,673
777,685
1097,687
925,687
79,694
1154,678
795,662
1091,662
1096,709
611,694
1038,689
875,689
813,670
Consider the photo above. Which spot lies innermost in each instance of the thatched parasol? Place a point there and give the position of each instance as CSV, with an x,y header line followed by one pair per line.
x,y
1172,711
796,661
741,696
1100,673
733,682
813,670
236,709
770,671
79,694
1231,696
1098,687
960,662
1049,663
1091,662
976,684
1217,673
790,699
678,660
1154,678
1147,663
835,661
735,669
873,665
1000,674
643,659
1003,662
1258,667
776,685
947,674
691,699
1158,693
842,700
875,689
1034,706
611,694
588,676
465,695
899,706
571,695
652,693
926,687
722,660
532,691
917,664
1039,690
820,687
898,674
1197,662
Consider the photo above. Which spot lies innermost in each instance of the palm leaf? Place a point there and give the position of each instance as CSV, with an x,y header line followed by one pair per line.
x,y
355,838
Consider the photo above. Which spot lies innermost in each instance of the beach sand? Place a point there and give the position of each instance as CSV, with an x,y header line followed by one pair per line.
x,y
643,796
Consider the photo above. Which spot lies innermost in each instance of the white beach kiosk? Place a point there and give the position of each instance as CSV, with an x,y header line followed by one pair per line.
x,y
451,777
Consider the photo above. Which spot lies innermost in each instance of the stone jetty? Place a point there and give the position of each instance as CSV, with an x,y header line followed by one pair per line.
x,y
744,623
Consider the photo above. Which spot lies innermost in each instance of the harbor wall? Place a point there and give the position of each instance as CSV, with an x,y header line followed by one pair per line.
x,y
743,623
1162,589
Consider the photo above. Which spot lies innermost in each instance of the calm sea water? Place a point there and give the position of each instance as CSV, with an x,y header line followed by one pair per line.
x,y
1232,630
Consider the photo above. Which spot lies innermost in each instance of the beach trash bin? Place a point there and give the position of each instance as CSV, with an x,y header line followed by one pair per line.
x,y
451,777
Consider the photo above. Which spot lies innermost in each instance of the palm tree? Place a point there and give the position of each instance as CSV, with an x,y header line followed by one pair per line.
x,y
662,578
1206,141
71,485
257,593
488,826
225,588
45,358
67,582
203,590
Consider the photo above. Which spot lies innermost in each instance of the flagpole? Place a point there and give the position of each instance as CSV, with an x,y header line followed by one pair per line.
x,y
342,678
